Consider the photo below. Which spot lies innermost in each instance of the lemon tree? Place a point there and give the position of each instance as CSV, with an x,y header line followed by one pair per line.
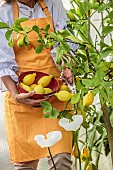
x,y
92,71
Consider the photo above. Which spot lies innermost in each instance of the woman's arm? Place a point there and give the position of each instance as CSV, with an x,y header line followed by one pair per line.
x,y
60,18
23,98
10,85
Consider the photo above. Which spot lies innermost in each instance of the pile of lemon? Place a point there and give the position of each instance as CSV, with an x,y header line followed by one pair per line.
x,y
41,86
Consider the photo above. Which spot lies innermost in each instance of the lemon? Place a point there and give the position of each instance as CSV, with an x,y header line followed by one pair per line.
x,y
71,16
63,95
25,87
29,79
75,152
64,87
39,89
88,99
45,80
86,152
20,42
32,86
77,78
47,90
89,167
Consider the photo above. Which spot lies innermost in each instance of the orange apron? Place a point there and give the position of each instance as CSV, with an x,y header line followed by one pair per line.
x,y
24,122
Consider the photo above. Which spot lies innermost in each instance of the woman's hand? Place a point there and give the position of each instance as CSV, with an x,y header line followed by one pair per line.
x,y
67,75
24,98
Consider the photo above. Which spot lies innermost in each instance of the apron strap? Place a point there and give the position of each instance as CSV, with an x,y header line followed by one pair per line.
x,y
42,4
44,8
15,9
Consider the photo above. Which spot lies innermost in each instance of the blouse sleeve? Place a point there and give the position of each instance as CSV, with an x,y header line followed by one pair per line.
x,y
8,65
60,24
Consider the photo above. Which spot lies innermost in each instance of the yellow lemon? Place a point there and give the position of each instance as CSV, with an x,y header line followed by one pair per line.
x,y
86,152
63,95
29,79
20,42
81,157
89,167
32,86
47,90
25,87
77,78
45,80
39,89
90,12
75,152
88,99
64,87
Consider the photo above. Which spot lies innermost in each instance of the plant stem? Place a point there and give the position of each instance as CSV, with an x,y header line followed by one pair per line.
x,y
99,149
76,140
52,158
108,127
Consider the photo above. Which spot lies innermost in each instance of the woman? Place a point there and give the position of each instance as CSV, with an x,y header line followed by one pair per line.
x,y
23,121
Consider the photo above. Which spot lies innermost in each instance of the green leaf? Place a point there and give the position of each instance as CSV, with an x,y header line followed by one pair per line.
x,y
85,125
11,43
26,41
102,44
110,21
82,9
107,29
47,108
105,53
45,104
111,15
27,29
47,115
3,25
17,28
53,35
38,49
74,39
102,7
68,116
65,46
103,94
87,82
47,28
79,85
99,129
18,21
36,29
59,54
75,98
54,113
8,35
64,33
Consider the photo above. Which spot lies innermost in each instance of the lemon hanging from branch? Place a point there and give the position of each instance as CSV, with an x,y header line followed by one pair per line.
x,y
63,95
88,99
20,42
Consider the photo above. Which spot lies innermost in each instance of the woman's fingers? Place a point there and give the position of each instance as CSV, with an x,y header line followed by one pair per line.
x,y
68,75
24,98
